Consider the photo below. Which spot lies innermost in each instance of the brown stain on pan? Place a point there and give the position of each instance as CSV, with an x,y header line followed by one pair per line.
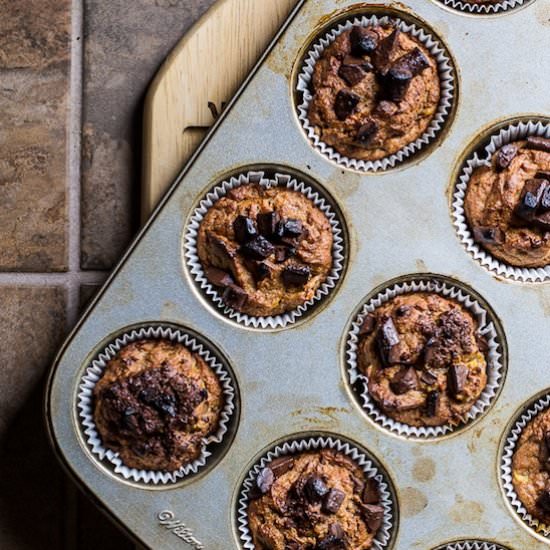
x,y
412,502
542,12
423,469
466,511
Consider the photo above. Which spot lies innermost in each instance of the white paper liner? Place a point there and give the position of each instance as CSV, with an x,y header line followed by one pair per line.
x,y
447,85
538,406
486,328
483,8
301,445
514,132
471,545
281,180
94,372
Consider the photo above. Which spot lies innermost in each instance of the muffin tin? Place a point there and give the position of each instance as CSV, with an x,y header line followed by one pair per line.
x,y
291,381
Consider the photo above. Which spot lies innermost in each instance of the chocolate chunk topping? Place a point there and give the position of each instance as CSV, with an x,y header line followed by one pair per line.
x,y
345,104
223,251
388,337
234,296
547,441
291,228
281,465
371,494
335,529
265,480
530,199
282,253
331,542
432,403
542,175
543,221
369,323
383,54
482,343
352,61
363,40
315,489
267,223
404,381
456,379
505,156
366,133
428,377
545,200
245,229
414,62
333,501
538,143
218,277
258,249
395,83
296,275
374,515
544,501
488,235
352,74
260,270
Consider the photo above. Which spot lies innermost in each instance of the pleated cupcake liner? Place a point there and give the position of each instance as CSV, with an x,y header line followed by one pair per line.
x,y
514,132
278,180
447,86
538,406
486,328
94,372
471,545
484,9
301,445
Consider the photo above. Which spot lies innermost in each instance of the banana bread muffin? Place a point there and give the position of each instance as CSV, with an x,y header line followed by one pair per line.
x,y
267,249
507,204
531,467
154,404
315,500
424,362
375,90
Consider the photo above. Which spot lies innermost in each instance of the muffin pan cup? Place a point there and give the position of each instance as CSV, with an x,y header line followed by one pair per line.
x,y
447,84
93,374
495,355
295,381
483,9
286,181
300,445
510,133
471,545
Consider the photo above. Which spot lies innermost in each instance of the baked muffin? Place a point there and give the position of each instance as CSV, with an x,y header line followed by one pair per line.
x,y
375,90
315,500
531,467
154,404
424,362
267,249
507,204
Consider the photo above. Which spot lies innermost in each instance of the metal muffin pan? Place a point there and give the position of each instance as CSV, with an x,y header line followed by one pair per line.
x,y
293,380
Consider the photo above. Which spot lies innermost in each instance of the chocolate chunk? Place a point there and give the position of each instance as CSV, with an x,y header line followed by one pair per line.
x,y
414,62
366,133
544,501
218,277
234,296
383,54
456,379
538,143
333,501
371,494
265,480
363,40
245,229
482,343
281,465
542,175
352,61
386,109
547,441
315,489
267,223
531,196
352,74
374,515
331,542
404,381
369,323
428,377
258,249
505,156
296,275
260,270
221,249
282,253
335,529
291,228
395,83
543,221
345,104
545,200
401,311
432,403
387,337
488,235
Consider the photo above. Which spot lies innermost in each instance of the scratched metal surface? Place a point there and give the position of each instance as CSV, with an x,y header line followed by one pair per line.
x,y
293,380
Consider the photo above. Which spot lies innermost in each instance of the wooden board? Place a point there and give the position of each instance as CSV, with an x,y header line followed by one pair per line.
x,y
200,75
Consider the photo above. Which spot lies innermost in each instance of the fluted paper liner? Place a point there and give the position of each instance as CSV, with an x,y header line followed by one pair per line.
x,y
511,133
471,545
508,451
278,180
301,445
486,328
485,9
95,371
447,86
